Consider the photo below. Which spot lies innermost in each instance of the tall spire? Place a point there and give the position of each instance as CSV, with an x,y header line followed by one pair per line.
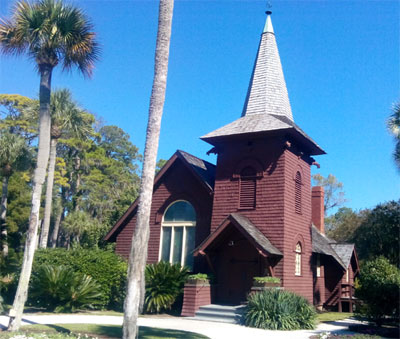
x,y
267,93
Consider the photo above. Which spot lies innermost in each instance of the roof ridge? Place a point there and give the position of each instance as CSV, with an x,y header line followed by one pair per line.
x,y
182,151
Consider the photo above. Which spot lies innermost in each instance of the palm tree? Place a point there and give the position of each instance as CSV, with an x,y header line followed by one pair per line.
x,y
138,254
394,127
67,118
49,32
13,156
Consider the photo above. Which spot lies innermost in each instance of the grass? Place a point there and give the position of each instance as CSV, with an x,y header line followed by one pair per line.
x,y
101,331
332,316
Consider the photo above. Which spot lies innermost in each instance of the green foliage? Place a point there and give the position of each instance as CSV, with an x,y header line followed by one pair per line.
x,y
378,287
160,164
379,233
86,231
342,225
279,310
105,267
59,289
50,32
164,284
199,276
394,128
260,280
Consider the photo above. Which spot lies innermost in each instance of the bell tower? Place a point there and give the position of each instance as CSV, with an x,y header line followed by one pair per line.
x,y
263,168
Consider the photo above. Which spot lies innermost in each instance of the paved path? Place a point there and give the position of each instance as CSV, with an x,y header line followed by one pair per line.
x,y
212,330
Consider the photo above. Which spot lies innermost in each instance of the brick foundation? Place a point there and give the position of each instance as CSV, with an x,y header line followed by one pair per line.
x,y
195,295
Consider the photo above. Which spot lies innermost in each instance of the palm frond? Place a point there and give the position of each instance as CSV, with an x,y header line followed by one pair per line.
x,y
51,32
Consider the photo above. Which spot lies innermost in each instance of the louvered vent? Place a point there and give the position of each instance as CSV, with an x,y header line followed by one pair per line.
x,y
247,188
297,192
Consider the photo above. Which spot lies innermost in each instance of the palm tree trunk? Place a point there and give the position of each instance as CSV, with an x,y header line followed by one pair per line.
x,y
3,213
44,235
38,180
138,254
78,181
56,229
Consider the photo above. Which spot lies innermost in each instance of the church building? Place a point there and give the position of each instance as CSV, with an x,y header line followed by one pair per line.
x,y
252,214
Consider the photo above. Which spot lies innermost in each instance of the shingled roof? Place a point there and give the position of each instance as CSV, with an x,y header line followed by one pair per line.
x,y
247,228
323,245
267,107
204,169
344,251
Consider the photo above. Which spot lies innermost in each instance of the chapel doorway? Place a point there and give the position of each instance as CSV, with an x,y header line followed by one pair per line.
x,y
237,263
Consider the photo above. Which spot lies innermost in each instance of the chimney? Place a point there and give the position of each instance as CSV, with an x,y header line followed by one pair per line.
x,y
317,207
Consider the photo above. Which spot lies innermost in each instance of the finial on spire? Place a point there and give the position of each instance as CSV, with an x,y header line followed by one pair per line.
x,y
269,6
268,24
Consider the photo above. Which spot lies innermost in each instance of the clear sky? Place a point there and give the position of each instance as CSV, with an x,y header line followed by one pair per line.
x,y
340,60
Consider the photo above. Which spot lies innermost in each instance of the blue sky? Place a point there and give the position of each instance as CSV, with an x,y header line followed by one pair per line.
x,y
340,60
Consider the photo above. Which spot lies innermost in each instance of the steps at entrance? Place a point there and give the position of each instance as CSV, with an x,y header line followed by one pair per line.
x,y
220,313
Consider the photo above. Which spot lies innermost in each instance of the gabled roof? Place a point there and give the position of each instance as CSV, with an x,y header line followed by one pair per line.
x,y
247,228
204,169
344,251
324,245
201,169
267,107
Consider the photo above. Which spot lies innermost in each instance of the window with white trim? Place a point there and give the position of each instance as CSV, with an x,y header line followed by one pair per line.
x,y
298,259
178,231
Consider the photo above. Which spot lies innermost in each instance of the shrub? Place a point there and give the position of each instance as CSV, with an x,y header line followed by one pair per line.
x,y
261,280
199,277
378,287
279,310
59,289
164,284
105,267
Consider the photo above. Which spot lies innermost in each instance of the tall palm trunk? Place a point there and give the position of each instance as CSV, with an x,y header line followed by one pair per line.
x,y
138,254
38,180
44,235
56,228
3,213
78,181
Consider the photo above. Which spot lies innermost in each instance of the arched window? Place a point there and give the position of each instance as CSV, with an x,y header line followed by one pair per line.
x,y
297,270
247,190
178,234
297,193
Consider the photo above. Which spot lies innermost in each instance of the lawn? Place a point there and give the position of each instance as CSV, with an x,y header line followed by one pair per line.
x,y
99,331
332,316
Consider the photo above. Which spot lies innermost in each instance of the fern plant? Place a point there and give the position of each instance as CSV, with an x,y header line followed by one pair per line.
x,y
164,284
279,310
60,289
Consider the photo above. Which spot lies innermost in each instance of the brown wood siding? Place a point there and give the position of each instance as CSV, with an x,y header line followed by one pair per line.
x,y
177,184
268,213
297,226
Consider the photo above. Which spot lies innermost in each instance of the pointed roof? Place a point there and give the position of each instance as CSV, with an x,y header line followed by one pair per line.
x,y
267,92
247,228
267,107
202,170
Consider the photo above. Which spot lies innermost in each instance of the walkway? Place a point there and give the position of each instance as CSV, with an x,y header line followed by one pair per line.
x,y
212,330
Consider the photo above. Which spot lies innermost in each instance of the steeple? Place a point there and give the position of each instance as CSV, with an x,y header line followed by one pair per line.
x,y
267,93
266,108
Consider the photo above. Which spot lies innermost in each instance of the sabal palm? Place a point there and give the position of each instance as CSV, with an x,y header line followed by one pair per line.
x,y
13,156
51,33
67,118
394,127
